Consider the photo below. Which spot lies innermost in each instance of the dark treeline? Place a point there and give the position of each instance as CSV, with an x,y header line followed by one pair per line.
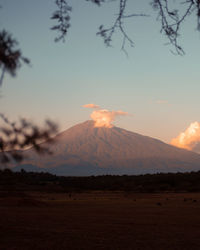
x,y
161,182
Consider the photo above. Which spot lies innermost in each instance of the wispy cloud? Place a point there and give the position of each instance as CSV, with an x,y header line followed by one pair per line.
x,y
91,105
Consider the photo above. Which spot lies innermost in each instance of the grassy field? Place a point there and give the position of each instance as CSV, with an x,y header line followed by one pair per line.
x,y
99,220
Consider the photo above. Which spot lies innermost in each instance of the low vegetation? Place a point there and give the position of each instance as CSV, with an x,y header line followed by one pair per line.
x,y
161,182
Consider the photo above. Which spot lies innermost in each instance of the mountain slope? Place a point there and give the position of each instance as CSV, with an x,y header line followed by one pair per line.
x,y
84,148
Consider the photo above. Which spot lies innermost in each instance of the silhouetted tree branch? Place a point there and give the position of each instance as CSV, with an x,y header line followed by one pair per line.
x,y
171,15
25,134
10,56
15,137
107,34
172,18
61,15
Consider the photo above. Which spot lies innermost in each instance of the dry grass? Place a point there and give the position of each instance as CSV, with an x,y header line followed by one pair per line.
x,y
99,220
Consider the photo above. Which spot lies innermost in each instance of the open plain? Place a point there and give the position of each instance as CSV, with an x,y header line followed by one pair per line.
x,y
99,220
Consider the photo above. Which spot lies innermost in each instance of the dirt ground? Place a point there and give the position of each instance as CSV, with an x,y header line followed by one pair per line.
x,y
99,220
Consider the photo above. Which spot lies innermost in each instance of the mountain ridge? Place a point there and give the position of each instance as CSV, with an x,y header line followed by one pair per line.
x,y
112,150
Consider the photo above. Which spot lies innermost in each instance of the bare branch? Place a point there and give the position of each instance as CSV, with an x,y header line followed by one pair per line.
x,y
171,19
107,34
136,15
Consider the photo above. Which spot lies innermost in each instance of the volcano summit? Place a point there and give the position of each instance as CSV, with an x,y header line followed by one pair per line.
x,y
88,150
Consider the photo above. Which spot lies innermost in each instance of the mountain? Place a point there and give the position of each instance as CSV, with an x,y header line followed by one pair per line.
x,y
87,150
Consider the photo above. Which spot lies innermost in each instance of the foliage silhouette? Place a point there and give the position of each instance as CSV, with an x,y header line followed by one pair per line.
x,y
148,183
10,56
15,137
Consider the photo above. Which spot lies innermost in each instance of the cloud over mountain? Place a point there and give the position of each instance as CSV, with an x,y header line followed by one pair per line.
x,y
104,117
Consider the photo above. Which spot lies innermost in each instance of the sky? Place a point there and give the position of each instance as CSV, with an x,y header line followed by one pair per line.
x,y
159,90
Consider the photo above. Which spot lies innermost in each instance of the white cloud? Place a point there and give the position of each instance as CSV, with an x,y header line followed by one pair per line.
x,y
104,117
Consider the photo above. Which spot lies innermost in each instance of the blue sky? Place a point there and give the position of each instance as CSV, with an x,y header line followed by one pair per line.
x,y
159,90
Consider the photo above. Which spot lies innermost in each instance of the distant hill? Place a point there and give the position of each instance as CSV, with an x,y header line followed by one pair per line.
x,y
87,150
